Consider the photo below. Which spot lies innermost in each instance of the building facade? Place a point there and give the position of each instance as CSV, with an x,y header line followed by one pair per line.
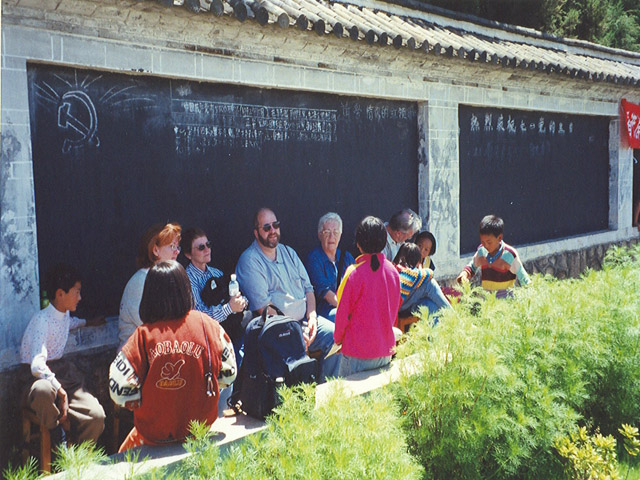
x,y
460,117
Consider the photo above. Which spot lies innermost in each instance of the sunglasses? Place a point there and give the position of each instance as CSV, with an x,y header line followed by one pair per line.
x,y
202,246
268,226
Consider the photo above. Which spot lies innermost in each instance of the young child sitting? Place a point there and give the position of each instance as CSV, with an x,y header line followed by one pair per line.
x,y
427,244
368,302
58,395
418,287
498,263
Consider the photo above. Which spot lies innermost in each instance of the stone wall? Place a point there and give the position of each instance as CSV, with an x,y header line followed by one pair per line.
x,y
573,263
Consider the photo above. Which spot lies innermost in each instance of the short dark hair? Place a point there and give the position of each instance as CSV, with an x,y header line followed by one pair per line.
x,y
424,235
408,255
405,221
371,237
167,293
60,276
491,225
188,236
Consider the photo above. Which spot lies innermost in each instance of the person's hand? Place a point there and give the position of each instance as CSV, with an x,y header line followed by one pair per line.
x,y
95,321
237,303
309,333
463,277
62,401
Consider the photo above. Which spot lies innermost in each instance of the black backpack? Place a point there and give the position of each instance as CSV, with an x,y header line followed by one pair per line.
x,y
274,354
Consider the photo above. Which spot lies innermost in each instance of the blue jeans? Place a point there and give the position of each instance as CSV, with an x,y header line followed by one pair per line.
x,y
324,342
427,295
351,365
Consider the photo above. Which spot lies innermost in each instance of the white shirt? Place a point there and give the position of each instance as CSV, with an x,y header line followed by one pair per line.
x,y
45,339
391,248
130,305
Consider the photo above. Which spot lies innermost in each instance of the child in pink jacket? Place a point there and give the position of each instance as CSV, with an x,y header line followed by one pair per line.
x,y
368,302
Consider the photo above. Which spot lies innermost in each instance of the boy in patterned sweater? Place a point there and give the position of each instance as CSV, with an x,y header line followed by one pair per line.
x,y
498,263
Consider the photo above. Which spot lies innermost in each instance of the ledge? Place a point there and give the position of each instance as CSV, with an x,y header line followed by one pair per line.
x,y
81,340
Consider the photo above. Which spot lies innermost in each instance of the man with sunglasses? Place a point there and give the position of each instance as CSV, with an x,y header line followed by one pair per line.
x,y
210,289
272,273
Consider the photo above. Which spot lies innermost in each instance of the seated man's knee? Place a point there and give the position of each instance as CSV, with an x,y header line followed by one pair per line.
x,y
42,390
41,399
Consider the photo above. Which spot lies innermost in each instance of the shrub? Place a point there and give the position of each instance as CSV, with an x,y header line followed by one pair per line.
x,y
502,379
346,438
588,457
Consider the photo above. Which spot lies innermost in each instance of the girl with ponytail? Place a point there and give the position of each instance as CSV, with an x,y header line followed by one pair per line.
x,y
368,302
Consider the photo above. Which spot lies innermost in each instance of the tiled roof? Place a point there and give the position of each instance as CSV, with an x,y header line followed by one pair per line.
x,y
400,26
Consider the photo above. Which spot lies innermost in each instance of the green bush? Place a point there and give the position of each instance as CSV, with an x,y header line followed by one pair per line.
x,y
588,457
503,379
345,438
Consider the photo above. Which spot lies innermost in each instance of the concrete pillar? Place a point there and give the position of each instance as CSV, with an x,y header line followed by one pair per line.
x,y
620,180
19,293
439,182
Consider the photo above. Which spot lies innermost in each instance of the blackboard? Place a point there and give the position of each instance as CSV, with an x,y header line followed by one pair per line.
x,y
545,174
115,153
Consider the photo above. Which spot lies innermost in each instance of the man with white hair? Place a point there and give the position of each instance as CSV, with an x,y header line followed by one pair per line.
x,y
326,265
401,227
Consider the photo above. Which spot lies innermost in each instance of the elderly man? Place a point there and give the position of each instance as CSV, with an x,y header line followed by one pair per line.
x,y
272,273
326,264
401,227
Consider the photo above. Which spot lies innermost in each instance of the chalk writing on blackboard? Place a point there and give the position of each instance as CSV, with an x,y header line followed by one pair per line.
x,y
200,125
75,102
542,127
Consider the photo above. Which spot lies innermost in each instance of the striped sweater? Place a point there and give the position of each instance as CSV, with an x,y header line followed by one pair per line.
x,y
411,279
499,275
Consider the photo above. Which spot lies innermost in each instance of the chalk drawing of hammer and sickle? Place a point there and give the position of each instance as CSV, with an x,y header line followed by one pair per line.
x,y
77,114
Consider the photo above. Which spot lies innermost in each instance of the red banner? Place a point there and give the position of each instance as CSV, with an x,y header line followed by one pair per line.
x,y
631,123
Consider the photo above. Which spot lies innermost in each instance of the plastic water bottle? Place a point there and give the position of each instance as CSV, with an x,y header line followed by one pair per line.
x,y
234,288
44,301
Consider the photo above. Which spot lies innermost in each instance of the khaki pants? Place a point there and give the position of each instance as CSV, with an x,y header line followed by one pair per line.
x,y
86,415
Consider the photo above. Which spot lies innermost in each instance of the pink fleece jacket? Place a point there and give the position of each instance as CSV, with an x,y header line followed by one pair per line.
x,y
368,305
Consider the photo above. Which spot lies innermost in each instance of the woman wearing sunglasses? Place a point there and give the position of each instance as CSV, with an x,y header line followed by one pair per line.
x,y
211,289
159,243
171,369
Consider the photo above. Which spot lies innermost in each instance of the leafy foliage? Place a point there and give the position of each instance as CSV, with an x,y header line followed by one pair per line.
x,y
346,438
504,378
589,457
77,460
27,471
615,23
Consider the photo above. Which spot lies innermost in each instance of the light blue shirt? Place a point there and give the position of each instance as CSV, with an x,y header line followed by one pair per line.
x,y
283,282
